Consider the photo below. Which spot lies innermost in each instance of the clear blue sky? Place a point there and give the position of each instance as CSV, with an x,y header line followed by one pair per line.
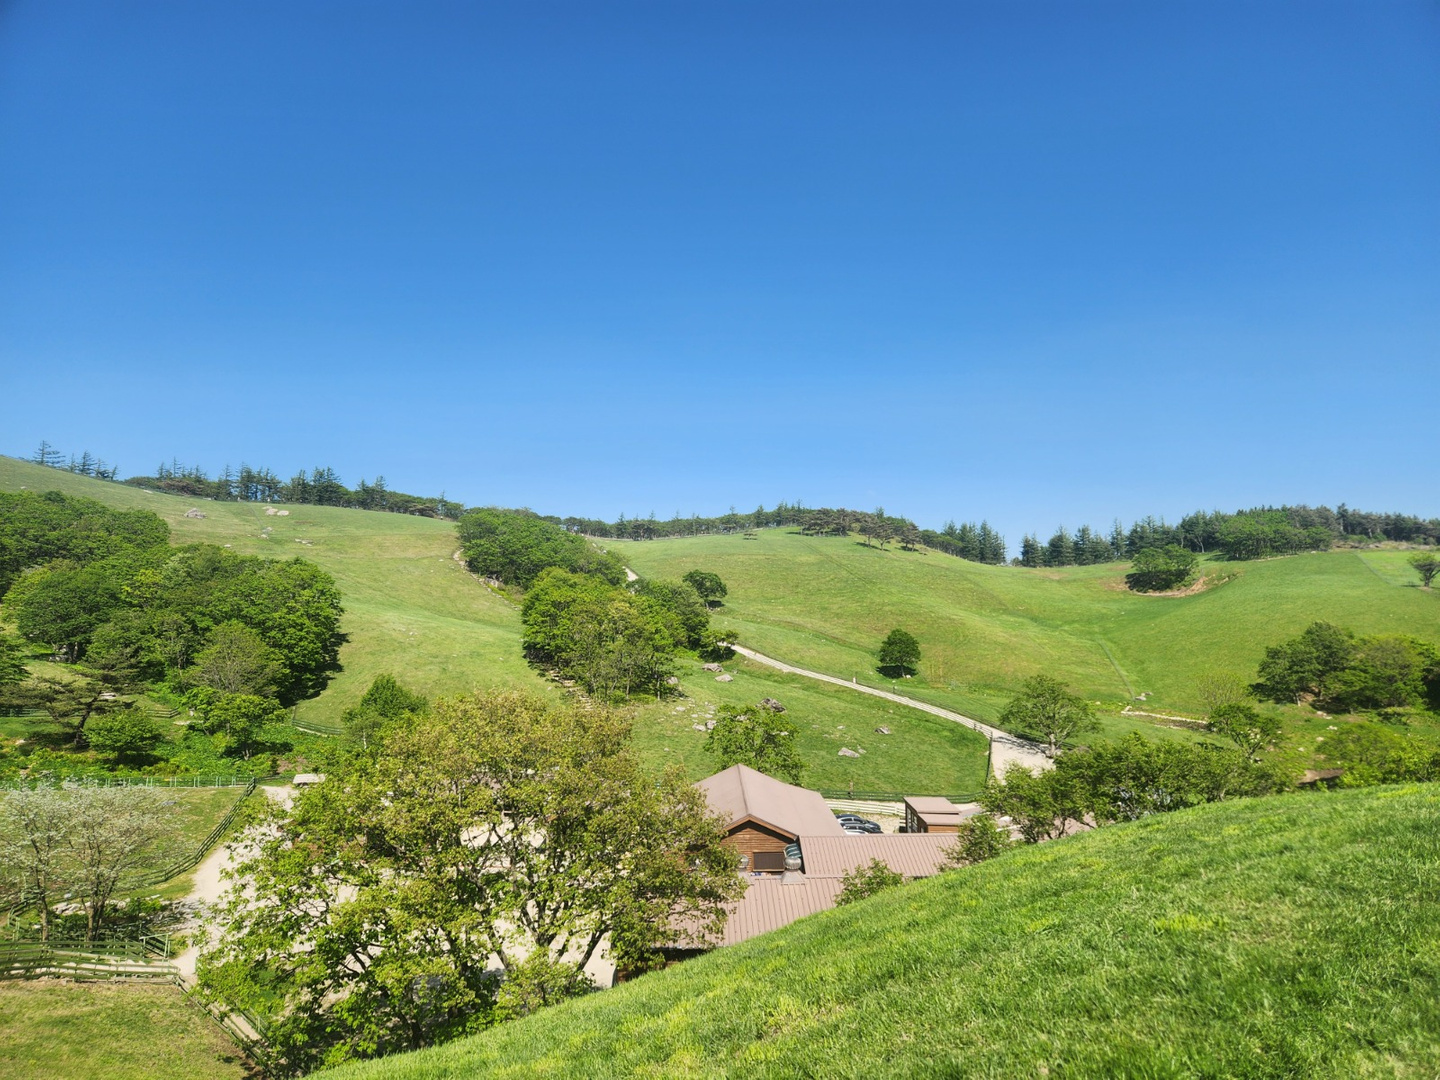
x,y
1036,262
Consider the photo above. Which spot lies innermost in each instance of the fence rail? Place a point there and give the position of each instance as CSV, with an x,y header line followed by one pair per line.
x,y
896,796
85,959
199,780
193,859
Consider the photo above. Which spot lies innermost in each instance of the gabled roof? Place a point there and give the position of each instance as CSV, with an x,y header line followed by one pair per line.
x,y
912,854
740,793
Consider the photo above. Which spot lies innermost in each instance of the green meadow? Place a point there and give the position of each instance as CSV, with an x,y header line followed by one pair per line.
x,y
115,1030
413,611
1258,938
826,603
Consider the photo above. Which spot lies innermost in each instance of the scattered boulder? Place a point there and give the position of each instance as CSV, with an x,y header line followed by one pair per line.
x,y
709,725
711,667
771,704
699,727
270,511
194,514
724,678
671,680
282,513
882,731
845,751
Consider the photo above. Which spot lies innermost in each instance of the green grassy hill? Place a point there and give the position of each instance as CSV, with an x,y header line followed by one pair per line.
x,y
410,609
826,603
413,611
1294,936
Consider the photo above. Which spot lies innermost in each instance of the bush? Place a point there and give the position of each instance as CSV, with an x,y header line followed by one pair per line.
x,y
866,881
1161,569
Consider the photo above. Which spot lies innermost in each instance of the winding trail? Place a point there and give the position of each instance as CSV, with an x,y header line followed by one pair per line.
x,y
1005,749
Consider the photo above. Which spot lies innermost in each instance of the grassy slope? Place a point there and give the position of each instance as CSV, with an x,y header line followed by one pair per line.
x,y
413,611
827,603
114,1030
1286,937
410,609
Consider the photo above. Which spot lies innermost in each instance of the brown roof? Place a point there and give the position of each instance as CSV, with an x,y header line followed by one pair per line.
x,y
741,793
912,854
931,804
772,902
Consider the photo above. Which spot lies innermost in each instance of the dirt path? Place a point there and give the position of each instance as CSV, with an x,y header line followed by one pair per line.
x,y
1005,749
210,884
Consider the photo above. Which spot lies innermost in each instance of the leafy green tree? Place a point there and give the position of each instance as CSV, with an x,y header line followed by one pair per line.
x,y
1250,730
899,653
977,839
248,723
1387,671
683,602
495,830
757,737
12,664
1427,565
515,546
1046,711
236,660
711,589
385,703
1300,666
1161,569
1372,755
73,701
1043,805
125,735
63,605
866,881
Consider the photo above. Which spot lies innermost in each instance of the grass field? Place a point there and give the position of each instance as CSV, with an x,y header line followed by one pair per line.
x,y
414,612
115,1030
410,609
1284,937
826,603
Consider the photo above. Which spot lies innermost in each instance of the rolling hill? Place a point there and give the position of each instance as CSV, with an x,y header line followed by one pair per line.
x,y
827,602
1293,936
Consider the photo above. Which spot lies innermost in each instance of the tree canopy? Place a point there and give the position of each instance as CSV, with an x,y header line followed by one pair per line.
x,y
1161,569
899,653
758,737
711,589
498,828
515,546
1046,711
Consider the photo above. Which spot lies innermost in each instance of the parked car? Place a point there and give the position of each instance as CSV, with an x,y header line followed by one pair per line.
x,y
858,824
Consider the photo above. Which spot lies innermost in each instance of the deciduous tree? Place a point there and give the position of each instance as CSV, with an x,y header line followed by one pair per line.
x,y
1045,710
757,737
899,653
495,829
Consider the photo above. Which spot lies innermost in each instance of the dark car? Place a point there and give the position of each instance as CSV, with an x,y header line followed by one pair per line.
x,y
854,823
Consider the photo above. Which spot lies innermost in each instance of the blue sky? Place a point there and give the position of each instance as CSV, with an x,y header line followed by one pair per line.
x,y
1034,262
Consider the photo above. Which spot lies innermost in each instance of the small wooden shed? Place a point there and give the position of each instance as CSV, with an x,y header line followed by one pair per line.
x,y
931,814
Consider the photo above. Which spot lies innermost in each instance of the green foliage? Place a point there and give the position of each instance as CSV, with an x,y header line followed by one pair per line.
x,y
126,735
610,640
1123,781
899,653
1370,754
758,737
385,703
36,529
235,660
249,723
1427,565
492,827
1046,711
1250,730
711,589
514,546
1267,939
977,839
1161,569
866,881
684,604
63,605
1338,670
12,664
